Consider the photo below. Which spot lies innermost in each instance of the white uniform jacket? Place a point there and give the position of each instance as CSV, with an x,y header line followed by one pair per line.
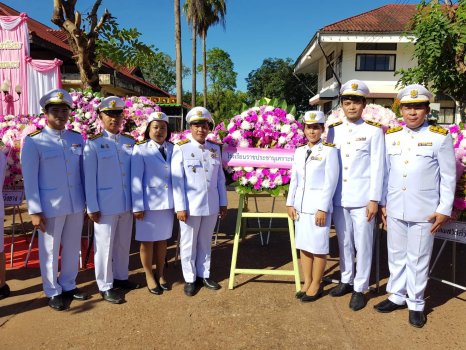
x,y
197,177
151,183
107,170
313,182
361,153
420,174
51,162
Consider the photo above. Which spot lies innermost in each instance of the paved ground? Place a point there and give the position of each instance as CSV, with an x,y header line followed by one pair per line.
x,y
260,313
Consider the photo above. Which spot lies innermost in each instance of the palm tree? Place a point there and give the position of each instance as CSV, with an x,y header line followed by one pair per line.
x,y
179,61
214,12
194,12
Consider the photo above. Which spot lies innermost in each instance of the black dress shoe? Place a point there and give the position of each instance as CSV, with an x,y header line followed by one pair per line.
x,y
358,301
4,291
341,289
189,288
309,298
157,290
76,294
112,296
417,318
299,294
56,303
163,286
210,284
125,284
387,306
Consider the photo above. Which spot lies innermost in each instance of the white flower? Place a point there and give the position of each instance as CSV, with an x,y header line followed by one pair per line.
x,y
253,180
463,143
266,183
255,109
88,115
286,128
269,108
236,135
243,143
282,140
259,171
273,170
290,117
245,125
248,169
278,180
463,160
237,168
244,114
243,181
270,119
231,125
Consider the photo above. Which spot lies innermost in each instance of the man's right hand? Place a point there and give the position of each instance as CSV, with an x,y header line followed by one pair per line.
x,y
38,221
182,215
383,214
94,216
292,213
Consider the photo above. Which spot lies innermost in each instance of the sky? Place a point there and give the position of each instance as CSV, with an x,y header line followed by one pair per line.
x,y
254,29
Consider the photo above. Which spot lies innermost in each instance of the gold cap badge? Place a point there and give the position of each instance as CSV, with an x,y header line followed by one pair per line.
x,y
60,95
414,93
112,104
354,86
199,113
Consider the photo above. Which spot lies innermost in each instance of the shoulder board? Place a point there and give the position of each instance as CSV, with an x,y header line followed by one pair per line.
x,y
395,129
34,133
142,142
438,130
76,132
214,142
183,142
128,136
328,144
335,124
96,136
370,122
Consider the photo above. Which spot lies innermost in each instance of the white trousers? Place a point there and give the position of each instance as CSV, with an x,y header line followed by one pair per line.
x,y
112,241
196,246
409,251
354,232
64,231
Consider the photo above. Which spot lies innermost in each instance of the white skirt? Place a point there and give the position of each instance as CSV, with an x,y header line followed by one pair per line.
x,y
311,238
157,225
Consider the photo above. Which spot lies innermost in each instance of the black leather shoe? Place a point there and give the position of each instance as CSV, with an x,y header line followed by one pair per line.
x,y
309,298
341,289
112,296
56,303
417,318
76,294
189,288
125,284
163,286
4,291
210,284
387,306
357,302
157,290
299,294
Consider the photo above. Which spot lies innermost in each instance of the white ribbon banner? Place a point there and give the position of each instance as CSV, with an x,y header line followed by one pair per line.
x,y
454,231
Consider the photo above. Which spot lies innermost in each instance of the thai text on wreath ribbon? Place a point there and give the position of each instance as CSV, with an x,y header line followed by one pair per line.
x,y
257,157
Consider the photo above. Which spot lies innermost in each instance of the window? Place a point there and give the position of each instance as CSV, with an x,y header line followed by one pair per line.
x,y
376,46
329,70
446,116
379,63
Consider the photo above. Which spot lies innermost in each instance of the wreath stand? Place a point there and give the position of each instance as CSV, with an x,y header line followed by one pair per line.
x,y
241,218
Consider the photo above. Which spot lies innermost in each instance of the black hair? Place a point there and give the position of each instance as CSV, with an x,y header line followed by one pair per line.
x,y
47,106
146,132
353,98
210,124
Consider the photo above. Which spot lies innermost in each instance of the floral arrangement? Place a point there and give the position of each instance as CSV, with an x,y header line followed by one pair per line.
x,y
458,134
269,124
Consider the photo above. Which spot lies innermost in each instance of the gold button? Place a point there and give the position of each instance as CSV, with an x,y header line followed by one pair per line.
x,y
350,130
346,168
344,180
347,154
406,162
206,170
348,143
404,175
404,188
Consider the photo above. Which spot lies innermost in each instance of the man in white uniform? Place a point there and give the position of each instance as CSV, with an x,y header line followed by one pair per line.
x,y
51,160
107,168
199,195
419,189
359,190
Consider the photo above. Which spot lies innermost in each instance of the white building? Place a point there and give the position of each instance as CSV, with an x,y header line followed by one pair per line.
x,y
370,47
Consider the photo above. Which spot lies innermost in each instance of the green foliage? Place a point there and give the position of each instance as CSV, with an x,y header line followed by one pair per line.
x,y
439,35
274,192
220,71
275,79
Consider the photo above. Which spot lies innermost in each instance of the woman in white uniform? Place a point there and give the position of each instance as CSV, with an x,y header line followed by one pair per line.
x,y
4,289
152,197
314,178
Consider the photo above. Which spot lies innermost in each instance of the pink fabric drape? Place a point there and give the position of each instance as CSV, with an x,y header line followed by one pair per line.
x,y
44,66
13,30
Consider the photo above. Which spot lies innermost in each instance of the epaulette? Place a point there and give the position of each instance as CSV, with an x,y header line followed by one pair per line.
x,y
142,142
76,132
335,124
128,136
438,130
328,144
96,136
395,129
183,142
214,142
34,133
373,123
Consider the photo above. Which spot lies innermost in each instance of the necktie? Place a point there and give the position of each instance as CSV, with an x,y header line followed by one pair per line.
x,y
308,154
162,150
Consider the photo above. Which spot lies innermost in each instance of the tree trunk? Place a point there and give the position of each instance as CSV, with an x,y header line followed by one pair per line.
x,y
179,61
461,108
204,66
193,72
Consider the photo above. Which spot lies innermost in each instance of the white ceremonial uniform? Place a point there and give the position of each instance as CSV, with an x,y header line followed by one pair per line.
x,y
2,204
199,188
420,179
361,150
151,190
312,186
52,170
107,168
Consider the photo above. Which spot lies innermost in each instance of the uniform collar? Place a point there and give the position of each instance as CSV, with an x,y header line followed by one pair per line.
x,y
111,136
54,132
357,122
419,128
317,146
200,145
155,144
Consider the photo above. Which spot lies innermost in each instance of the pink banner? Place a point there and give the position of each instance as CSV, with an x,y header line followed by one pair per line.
x,y
258,157
14,47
